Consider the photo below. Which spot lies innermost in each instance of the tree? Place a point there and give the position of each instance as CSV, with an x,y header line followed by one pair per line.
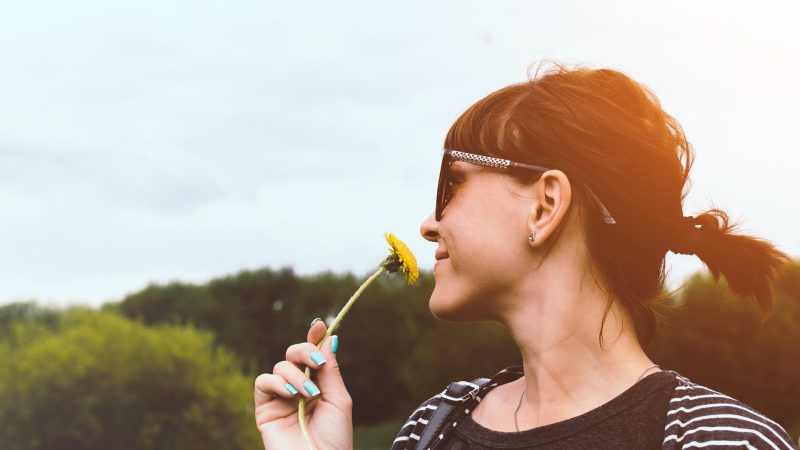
x,y
99,381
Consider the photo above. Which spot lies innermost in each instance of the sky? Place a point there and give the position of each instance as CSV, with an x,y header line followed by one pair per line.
x,y
149,141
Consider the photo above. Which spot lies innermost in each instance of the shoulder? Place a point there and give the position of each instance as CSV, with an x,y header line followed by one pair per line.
x,y
410,432
698,416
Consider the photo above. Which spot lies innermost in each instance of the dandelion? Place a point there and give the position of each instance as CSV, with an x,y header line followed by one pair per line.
x,y
400,257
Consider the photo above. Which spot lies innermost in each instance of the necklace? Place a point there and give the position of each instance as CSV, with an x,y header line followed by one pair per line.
x,y
516,425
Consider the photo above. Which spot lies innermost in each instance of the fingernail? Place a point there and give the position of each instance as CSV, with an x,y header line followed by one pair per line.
x,y
311,388
290,388
334,343
318,358
313,321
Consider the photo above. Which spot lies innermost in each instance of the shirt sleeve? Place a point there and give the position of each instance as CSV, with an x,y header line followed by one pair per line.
x,y
408,436
699,417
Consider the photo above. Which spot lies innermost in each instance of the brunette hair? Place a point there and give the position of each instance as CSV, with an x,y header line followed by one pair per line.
x,y
609,132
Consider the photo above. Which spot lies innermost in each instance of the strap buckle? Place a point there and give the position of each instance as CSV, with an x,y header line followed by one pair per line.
x,y
469,395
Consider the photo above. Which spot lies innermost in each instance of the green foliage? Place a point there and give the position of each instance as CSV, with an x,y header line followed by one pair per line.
x,y
41,320
95,380
376,436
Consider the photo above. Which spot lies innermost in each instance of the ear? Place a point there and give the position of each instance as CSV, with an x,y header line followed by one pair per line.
x,y
553,195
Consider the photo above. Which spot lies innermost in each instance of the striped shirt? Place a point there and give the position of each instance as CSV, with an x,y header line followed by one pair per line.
x,y
664,410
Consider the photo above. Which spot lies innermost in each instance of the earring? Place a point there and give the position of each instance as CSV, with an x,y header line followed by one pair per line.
x,y
531,236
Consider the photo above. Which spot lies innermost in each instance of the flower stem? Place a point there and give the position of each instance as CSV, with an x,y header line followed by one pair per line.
x,y
302,402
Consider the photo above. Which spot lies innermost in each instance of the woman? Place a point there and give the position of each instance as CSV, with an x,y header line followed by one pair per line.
x,y
558,200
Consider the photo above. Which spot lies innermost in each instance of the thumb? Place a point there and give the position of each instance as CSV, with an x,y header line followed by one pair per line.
x,y
328,376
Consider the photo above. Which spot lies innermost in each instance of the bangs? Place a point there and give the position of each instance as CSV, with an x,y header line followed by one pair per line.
x,y
486,127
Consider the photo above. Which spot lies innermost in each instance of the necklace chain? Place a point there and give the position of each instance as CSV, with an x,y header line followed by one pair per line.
x,y
516,425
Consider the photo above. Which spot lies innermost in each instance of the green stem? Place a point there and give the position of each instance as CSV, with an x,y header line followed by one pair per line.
x,y
301,408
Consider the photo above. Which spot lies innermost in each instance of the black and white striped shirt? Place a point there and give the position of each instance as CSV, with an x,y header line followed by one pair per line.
x,y
701,417
664,410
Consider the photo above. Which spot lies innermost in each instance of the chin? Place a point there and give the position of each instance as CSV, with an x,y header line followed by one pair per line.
x,y
450,307
441,305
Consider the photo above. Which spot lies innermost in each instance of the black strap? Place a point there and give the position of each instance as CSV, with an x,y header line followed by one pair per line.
x,y
457,394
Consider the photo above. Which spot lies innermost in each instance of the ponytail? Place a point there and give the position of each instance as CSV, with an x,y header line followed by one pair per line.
x,y
749,264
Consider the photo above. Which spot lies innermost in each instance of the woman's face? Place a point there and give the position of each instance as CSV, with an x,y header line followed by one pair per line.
x,y
484,233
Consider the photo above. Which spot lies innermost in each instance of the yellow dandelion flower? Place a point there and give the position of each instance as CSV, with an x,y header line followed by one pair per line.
x,y
401,257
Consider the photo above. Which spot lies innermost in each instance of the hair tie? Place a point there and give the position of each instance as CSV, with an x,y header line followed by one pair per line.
x,y
685,239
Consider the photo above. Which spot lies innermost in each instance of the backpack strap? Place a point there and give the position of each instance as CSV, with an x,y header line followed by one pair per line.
x,y
457,394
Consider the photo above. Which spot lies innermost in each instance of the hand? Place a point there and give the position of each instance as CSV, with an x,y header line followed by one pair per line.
x,y
329,414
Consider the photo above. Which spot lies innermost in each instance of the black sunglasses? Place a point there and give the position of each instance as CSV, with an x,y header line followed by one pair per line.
x,y
445,189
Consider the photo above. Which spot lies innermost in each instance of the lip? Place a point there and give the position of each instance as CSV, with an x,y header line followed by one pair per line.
x,y
440,262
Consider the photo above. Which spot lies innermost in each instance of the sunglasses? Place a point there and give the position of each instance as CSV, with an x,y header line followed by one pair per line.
x,y
446,185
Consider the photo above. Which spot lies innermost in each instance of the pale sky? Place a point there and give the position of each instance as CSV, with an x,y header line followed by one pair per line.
x,y
157,141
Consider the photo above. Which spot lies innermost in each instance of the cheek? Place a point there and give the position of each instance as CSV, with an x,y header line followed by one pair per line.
x,y
498,240
499,267
492,235
487,257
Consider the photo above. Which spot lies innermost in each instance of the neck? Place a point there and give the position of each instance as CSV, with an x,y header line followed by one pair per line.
x,y
567,373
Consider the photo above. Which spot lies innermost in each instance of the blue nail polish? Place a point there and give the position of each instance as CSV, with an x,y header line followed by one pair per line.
x,y
318,358
311,388
290,388
334,343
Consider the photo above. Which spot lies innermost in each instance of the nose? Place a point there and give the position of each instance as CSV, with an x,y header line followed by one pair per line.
x,y
429,229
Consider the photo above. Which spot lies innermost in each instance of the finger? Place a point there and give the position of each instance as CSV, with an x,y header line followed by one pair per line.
x,y
267,414
297,378
271,400
316,331
305,354
268,386
329,378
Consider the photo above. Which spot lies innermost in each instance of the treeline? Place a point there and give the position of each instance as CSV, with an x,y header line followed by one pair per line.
x,y
393,352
